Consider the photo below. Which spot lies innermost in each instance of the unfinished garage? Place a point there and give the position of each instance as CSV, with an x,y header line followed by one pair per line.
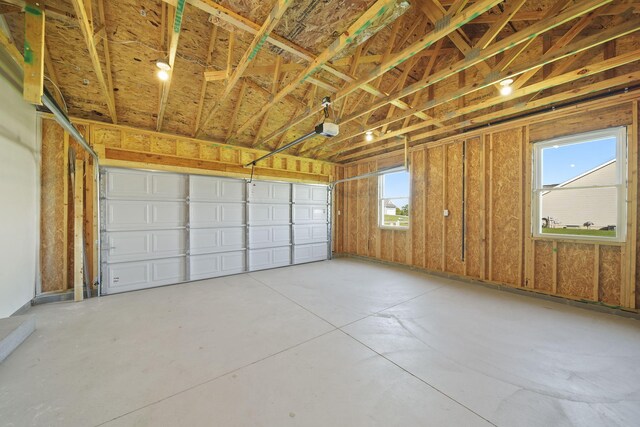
x,y
319,213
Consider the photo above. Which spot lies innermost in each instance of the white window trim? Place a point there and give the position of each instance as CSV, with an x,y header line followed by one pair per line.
x,y
620,133
382,199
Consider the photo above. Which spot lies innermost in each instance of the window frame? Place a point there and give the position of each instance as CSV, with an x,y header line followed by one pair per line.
x,y
382,199
537,188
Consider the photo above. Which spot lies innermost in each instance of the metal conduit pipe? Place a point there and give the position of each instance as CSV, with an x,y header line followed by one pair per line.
x,y
64,121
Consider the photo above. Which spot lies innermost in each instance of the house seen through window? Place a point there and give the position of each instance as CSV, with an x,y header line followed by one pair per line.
x,y
580,186
393,200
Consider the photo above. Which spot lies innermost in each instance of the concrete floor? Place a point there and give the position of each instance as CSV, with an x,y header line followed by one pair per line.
x,y
343,342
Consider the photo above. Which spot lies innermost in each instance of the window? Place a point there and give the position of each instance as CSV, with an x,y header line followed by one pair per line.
x,y
393,200
579,186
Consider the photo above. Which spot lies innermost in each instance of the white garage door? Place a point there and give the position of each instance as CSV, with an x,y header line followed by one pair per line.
x,y
163,228
310,223
144,241
269,224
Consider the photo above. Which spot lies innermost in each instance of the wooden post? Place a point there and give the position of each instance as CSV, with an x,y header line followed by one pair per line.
x,y
445,155
596,272
529,243
632,211
33,52
78,204
65,199
490,191
554,285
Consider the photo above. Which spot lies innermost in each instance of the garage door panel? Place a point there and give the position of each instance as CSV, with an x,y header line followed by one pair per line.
x,y
128,276
209,214
215,265
204,188
207,240
137,245
309,233
135,215
168,186
269,192
269,236
309,213
125,184
260,259
309,253
268,214
312,194
168,214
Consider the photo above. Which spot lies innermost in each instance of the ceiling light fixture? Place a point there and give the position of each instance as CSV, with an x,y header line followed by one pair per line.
x,y
505,87
368,136
163,73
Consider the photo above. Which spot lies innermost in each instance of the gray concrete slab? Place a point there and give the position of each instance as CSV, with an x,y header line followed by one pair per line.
x,y
264,349
13,331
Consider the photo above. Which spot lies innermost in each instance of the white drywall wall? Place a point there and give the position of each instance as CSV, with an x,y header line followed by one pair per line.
x,y
19,199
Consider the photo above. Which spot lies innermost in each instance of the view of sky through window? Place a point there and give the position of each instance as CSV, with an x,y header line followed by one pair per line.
x,y
562,163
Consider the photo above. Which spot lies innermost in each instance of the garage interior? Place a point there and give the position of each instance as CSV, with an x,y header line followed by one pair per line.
x,y
367,212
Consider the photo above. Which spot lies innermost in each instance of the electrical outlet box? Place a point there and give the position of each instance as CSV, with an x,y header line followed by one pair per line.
x,y
446,212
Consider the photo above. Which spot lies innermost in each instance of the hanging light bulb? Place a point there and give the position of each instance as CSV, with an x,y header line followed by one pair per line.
x,y
163,73
505,87
368,136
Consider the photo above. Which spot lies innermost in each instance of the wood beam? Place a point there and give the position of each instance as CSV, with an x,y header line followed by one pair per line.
x,y
569,50
441,31
34,48
87,32
105,48
506,16
78,219
560,43
173,49
521,107
236,110
336,47
203,88
434,11
11,49
508,42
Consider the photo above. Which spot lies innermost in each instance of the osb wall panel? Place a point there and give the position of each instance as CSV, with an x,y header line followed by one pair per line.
x,y
543,266
453,236
506,205
434,218
497,165
609,275
474,208
575,270
52,208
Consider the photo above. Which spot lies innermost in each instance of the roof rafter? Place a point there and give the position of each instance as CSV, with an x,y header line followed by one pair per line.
x,y
334,48
512,41
173,49
626,79
450,23
576,47
278,10
87,32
